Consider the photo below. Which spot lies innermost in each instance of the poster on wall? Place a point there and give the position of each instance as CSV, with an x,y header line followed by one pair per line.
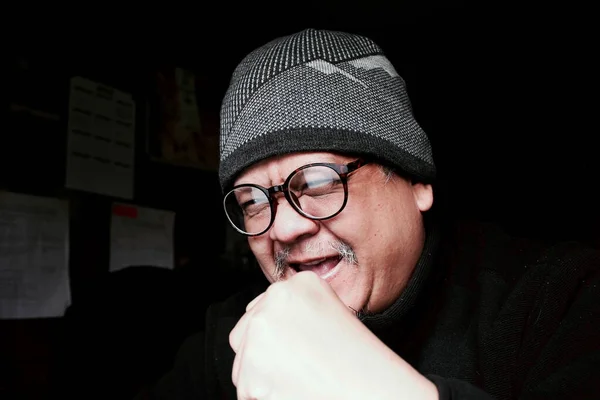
x,y
101,139
176,134
34,262
140,236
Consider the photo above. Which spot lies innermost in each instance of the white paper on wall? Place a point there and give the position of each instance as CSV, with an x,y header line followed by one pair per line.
x,y
34,266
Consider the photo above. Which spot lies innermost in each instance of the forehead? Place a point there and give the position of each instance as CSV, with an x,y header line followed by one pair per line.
x,y
275,170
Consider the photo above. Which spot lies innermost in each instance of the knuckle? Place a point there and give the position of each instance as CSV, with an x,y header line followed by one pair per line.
x,y
308,277
278,291
259,323
233,340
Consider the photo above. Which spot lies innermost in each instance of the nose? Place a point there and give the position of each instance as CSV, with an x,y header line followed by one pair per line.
x,y
289,226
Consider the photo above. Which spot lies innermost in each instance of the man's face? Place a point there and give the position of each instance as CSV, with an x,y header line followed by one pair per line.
x,y
366,253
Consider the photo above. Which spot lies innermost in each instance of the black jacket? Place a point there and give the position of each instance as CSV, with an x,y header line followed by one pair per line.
x,y
484,316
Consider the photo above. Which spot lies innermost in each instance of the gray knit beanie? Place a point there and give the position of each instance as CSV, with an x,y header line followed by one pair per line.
x,y
320,91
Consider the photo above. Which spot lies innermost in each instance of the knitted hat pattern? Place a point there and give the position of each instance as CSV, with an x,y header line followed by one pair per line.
x,y
320,90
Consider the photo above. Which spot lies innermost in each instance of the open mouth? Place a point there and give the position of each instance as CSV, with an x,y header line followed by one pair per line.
x,y
322,267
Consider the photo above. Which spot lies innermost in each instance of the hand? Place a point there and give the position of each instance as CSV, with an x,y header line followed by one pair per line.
x,y
298,340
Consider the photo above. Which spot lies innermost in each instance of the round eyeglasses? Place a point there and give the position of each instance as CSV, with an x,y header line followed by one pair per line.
x,y
316,191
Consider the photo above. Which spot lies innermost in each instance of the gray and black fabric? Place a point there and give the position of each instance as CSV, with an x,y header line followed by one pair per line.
x,y
320,91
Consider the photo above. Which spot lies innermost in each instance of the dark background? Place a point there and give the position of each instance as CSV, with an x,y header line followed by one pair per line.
x,y
504,94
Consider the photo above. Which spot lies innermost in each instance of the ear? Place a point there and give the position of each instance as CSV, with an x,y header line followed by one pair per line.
x,y
423,195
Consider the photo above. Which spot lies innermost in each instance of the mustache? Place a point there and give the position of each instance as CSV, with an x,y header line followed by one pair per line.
x,y
344,250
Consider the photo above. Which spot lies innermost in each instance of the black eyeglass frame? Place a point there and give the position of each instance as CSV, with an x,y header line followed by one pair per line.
x,y
343,171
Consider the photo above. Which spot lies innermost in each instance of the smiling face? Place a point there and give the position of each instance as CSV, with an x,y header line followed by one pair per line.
x,y
366,253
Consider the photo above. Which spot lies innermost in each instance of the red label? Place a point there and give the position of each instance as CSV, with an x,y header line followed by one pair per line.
x,y
125,211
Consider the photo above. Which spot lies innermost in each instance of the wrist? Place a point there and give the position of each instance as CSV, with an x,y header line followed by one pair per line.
x,y
395,379
410,384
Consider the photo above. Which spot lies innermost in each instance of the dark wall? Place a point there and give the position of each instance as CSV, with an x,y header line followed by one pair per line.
x,y
132,321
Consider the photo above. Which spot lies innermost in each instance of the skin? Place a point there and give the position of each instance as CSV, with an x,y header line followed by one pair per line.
x,y
298,341
382,222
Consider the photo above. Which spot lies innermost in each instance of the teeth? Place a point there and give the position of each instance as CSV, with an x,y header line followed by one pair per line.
x,y
314,262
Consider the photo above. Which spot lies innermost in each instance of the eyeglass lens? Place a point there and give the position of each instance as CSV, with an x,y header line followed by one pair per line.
x,y
316,192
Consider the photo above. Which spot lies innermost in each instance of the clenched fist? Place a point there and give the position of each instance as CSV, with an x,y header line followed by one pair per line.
x,y
297,340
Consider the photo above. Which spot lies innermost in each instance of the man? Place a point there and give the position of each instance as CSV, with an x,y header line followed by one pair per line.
x,y
328,174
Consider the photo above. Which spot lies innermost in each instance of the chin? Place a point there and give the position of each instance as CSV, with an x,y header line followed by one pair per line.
x,y
352,294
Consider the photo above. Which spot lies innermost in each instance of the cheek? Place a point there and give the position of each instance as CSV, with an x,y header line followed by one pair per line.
x,y
375,224
367,219
261,248
358,228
